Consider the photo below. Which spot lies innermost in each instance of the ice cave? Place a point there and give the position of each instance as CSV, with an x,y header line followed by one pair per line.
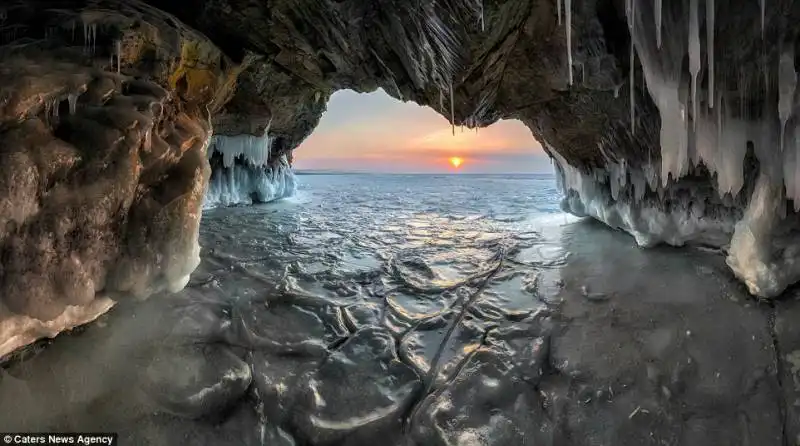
x,y
122,122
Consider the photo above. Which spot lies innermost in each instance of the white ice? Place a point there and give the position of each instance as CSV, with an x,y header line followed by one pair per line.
x,y
558,5
568,12
787,83
694,53
658,12
242,184
710,24
751,255
593,196
254,149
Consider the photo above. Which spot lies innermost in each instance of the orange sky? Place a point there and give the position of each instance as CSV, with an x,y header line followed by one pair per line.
x,y
377,133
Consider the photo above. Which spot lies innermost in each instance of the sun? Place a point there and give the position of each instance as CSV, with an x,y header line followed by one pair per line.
x,y
456,161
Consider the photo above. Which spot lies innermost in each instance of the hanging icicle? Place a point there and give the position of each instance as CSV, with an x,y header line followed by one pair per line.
x,y
568,12
632,27
763,17
658,12
72,98
710,51
694,54
558,5
119,56
633,89
483,17
452,110
787,83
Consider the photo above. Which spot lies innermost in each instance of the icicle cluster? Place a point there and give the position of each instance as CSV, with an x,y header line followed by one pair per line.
x,y
242,184
89,37
254,149
722,126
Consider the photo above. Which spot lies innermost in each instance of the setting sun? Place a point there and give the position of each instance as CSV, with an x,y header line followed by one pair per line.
x,y
456,161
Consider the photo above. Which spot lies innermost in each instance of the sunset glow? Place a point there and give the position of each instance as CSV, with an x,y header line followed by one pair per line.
x,y
374,132
456,161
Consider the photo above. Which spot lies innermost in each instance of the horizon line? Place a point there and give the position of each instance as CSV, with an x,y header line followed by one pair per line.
x,y
369,172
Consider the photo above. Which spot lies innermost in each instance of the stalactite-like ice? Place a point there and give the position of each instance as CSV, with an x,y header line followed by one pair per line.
x,y
241,184
568,13
763,16
72,98
599,195
119,56
452,110
632,29
658,12
694,54
791,167
558,6
787,83
633,89
254,149
710,24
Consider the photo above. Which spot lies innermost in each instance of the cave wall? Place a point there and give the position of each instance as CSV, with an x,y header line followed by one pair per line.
x,y
107,109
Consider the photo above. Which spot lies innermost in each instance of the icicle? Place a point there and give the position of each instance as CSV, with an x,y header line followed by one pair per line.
x,y
763,10
72,98
94,37
73,30
658,22
119,56
452,110
483,18
694,54
441,100
558,3
632,27
568,12
710,52
633,89
254,149
787,82
86,42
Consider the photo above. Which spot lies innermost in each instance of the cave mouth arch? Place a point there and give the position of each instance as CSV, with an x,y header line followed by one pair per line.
x,y
369,133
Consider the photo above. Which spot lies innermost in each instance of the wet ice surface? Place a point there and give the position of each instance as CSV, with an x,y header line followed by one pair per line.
x,y
316,321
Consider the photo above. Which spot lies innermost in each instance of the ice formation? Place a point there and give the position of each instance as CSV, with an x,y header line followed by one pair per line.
x,y
242,184
254,149
568,27
658,12
558,6
694,54
598,194
710,51
787,83
746,207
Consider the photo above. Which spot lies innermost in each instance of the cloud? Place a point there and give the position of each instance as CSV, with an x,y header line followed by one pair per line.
x,y
374,132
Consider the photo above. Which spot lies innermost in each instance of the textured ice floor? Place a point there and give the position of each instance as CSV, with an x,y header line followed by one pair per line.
x,y
316,321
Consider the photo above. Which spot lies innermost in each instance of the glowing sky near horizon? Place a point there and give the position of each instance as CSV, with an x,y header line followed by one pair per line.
x,y
376,133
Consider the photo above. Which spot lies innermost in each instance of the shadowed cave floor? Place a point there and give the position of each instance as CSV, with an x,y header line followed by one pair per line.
x,y
625,347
